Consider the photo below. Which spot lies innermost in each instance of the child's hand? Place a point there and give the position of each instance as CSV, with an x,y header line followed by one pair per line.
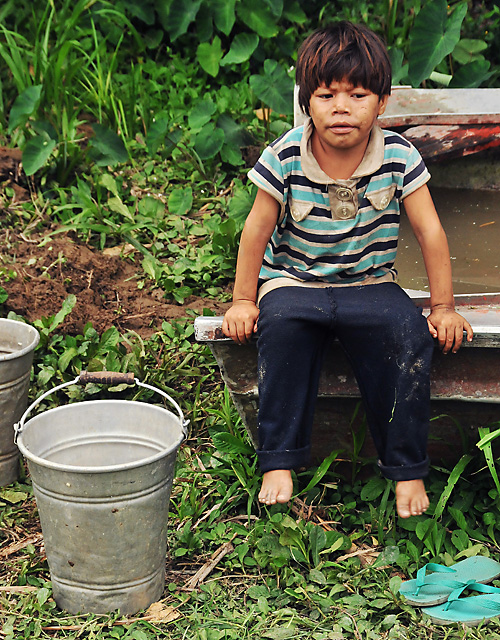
x,y
240,321
448,327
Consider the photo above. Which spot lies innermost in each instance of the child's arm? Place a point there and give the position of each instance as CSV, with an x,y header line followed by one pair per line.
x,y
444,323
240,321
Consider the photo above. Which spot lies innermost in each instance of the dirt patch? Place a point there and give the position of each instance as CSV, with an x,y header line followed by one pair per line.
x,y
105,287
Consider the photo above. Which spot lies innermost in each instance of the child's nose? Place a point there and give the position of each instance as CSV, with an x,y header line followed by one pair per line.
x,y
340,104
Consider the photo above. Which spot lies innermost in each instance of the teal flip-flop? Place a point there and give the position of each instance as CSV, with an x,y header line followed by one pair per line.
x,y
435,582
470,611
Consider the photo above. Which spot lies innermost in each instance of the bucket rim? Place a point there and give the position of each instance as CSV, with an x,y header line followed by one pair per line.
x,y
21,352
68,468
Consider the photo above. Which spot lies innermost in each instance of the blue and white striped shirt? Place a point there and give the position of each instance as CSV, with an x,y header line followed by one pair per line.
x,y
336,232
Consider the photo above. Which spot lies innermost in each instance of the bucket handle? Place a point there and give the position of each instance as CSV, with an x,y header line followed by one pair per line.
x,y
101,377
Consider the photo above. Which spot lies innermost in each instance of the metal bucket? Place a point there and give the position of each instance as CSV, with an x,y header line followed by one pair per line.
x,y
102,473
17,345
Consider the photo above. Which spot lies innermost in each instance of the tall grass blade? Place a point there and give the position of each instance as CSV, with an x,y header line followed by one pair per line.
x,y
320,472
485,446
458,469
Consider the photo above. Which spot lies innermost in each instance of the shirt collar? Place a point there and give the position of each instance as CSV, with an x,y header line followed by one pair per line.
x,y
372,160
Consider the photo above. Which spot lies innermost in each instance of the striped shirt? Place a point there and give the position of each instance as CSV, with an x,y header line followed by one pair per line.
x,y
336,232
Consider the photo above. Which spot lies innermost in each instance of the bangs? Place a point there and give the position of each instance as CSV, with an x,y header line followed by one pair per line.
x,y
343,52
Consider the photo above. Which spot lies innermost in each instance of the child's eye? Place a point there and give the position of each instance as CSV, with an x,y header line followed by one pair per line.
x,y
359,95
325,96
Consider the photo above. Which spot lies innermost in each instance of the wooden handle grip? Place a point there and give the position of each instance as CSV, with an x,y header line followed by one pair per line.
x,y
106,377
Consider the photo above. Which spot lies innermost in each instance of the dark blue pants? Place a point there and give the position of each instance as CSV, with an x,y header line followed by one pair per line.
x,y
386,339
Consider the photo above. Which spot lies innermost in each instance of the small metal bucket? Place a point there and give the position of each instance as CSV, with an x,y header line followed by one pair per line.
x,y
102,473
17,345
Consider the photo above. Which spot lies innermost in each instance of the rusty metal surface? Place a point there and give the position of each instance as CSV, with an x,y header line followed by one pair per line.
x,y
481,310
453,141
408,106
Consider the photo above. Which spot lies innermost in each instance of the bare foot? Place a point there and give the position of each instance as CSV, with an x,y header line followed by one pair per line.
x,y
277,486
411,498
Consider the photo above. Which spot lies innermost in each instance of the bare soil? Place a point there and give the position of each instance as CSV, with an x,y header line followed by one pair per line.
x,y
104,283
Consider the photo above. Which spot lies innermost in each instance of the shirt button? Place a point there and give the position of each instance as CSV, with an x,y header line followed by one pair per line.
x,y
344,194
385,201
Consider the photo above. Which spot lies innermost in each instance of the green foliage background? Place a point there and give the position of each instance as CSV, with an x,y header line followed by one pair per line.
x,y
173,101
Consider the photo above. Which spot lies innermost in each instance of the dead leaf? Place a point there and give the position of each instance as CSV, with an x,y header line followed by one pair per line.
x,y
159,612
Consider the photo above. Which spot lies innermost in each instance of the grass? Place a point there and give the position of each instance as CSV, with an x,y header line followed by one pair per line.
x,y
329,567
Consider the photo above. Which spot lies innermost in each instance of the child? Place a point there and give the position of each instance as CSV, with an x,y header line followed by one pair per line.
x,y
316,261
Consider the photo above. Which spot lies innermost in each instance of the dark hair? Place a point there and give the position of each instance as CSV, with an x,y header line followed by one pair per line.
x,y
342,51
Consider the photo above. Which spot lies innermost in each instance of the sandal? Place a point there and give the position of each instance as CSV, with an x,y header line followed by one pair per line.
x,y
435,582
470,611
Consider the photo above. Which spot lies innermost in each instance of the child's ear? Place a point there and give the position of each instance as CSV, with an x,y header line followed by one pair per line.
x,y
382,104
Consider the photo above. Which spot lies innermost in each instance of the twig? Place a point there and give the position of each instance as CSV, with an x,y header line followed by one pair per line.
x,y
17,588
208,567
17,546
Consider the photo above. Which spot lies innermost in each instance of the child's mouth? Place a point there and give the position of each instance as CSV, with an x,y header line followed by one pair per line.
x,y
342,128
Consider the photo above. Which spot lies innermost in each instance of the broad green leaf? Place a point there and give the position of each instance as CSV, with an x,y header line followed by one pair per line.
x,y
293,12
36,152
180,201
66,309
317,542
156,134
240,205
142,10
181,15
3,295
152,267
209,56
151,207
116,205
24,106
258,17
224,14
204,24
109,183
395,584
373,488
242,47
276,7
235,134
109,339
274,87
469,50
232,155
209,141
472,74
201,114
181,293
162,8
228,443
399,69
106,147
67,357
434,36
317,576
389,555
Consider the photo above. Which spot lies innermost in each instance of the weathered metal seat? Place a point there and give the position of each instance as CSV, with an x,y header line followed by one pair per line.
x,y
465,387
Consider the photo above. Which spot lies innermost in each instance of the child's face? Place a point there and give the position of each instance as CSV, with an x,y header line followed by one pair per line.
x,y
344,115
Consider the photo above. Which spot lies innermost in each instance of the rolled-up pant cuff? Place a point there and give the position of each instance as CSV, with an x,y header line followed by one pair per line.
x,y
288,459
407,472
